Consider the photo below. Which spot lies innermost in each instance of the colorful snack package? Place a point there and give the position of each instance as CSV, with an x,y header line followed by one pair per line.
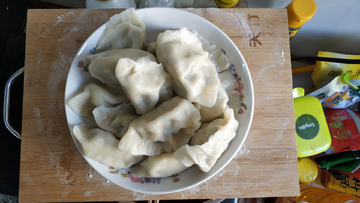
x,y
333,160
348,167
338,94
339,163
343,156
325,72
344,127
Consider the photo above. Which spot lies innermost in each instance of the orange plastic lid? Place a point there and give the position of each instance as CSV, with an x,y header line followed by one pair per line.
x,y
300,11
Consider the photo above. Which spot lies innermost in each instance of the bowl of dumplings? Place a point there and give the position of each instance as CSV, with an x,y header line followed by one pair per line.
x,y
158,100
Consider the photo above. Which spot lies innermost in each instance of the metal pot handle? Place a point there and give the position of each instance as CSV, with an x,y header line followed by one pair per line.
x,y
6,105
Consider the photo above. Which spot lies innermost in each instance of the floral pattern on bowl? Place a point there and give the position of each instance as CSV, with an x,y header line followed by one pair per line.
x,y
82,66
126,173
92,51
239,89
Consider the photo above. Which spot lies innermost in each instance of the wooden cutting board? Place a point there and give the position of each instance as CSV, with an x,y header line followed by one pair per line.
x,y
53,170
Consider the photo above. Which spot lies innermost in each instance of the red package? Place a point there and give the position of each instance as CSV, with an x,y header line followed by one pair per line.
x,y
344,128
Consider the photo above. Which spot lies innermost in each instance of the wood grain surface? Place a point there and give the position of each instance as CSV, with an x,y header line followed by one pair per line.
x,y
53,170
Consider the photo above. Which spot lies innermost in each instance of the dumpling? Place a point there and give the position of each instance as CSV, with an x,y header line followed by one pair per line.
x,y
145,83
93,96
165,128
159,166
123,30
193,74
228,81
205,131
102,65
214,140
115,120
151,48
216,55
102,146
209,114
235,101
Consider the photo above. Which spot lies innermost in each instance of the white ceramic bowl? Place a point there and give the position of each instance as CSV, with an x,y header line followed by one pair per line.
x,y
158,20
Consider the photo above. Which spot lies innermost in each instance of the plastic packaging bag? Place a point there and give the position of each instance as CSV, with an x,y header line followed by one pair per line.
x,y
325,72
343,156
344,127
338,94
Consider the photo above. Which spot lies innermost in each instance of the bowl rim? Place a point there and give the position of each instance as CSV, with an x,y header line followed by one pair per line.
x,y
250,110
